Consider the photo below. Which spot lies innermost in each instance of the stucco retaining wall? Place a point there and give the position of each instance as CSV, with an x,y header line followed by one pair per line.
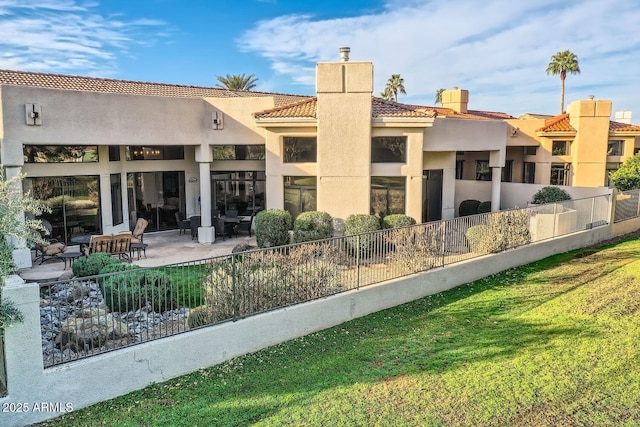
x,y
84,382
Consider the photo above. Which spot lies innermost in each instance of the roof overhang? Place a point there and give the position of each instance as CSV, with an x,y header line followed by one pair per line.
x,y
404,122
287,122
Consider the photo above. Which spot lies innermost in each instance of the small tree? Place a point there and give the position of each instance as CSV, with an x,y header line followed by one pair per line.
x,y
13,206
627,177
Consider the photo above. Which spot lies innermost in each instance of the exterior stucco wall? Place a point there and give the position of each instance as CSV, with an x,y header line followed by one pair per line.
x,y
449,134
447,162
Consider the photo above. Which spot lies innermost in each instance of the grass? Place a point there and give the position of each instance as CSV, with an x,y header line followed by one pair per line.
x,y
554,343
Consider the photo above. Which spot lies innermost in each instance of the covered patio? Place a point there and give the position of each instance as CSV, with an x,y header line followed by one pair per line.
x,y
164,248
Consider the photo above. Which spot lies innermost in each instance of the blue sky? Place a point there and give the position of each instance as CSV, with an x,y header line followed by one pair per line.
x,y
497,49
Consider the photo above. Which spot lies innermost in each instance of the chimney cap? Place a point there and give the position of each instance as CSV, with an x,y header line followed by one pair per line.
x,y
344,53
590,97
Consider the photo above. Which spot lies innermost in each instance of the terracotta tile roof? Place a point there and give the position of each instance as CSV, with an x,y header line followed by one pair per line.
x,y
470,114
298,110
383,108
557,124
93,84
622,127
307,109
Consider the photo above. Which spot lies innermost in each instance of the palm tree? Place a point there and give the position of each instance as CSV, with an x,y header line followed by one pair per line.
x,y
237,81
562,63
439,96
395,84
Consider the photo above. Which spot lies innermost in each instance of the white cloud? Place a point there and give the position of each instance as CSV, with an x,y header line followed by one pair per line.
x,y
497,49
66,36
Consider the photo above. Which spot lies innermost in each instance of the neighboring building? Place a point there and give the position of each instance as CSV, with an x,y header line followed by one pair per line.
x,y
578,148
104,152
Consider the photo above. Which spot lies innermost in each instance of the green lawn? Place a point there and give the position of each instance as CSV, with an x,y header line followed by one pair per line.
x,y
555,343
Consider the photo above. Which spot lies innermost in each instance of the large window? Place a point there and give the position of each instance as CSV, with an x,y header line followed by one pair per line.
x,y
560,174
388,195
561,148
169,152
529,173
114,153
243,191
611,167
74,202
483,171
507,171
389,149
238,152
299,149
615,148
60,154
459,169
300,194
116,199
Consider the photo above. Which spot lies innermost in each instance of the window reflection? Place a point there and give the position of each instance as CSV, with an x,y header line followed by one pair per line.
x,y
60,154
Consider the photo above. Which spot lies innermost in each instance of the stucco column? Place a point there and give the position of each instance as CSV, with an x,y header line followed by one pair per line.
x,y
206,233
496,175
21,253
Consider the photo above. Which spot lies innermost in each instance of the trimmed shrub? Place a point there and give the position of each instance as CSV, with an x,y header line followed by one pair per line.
x,y
310,226
114,268
550,194
397,221
92,264
468,207
504,230
357,224
484,207
130,291
200,316
265,280
272,228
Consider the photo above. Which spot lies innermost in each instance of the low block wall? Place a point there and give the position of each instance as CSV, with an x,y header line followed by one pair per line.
x,y
78,384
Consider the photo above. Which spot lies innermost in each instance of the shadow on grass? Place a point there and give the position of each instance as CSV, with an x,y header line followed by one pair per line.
x,y
473,323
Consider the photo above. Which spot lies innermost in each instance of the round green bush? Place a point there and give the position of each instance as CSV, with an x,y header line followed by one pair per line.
x,y
92,264
134,289
363,225
550,194
484,207
468,207
313,225
272,228
397,221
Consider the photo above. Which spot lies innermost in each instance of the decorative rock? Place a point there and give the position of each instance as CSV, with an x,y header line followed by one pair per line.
x,y
242,247
93,327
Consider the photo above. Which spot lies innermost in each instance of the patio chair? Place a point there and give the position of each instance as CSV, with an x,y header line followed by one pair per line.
x,y
99,243
138,231
183,223
195,222
121,245
222,228
49,248
244,226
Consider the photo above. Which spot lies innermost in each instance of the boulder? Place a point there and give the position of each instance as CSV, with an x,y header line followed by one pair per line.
x,y
242,247
91,329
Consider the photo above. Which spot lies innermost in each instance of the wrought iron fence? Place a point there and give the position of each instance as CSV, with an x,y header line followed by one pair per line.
x,y
91,315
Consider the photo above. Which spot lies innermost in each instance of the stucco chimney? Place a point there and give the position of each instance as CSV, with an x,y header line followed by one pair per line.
x,y
344,54
456,99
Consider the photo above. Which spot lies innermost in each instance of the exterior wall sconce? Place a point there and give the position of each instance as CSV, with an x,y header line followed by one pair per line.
x,y
33,114
217,122
193,179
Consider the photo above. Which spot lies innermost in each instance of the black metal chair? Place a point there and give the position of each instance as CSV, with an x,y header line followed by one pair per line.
x,y
183,223
223,229
195,222
244,226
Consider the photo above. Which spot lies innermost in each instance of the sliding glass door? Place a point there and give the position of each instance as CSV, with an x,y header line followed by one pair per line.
x,y
156,197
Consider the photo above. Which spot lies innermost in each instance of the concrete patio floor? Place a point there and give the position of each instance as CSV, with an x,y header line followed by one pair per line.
x,y
165,247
